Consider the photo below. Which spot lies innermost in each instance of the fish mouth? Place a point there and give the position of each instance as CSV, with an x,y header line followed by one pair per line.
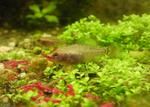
x,y
48,57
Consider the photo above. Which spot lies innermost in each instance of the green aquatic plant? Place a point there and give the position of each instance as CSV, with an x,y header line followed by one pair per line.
x,y
131,33
83,31
16,54
45,14
108,81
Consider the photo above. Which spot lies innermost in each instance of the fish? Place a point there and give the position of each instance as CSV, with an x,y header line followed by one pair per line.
x,y
50,41
74,54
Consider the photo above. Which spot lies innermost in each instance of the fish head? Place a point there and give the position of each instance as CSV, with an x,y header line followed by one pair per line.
x,y
57,57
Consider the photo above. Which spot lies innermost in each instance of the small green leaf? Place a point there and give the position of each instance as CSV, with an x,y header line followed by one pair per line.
x,y
30,16
38,15
51,18
35,8
49,9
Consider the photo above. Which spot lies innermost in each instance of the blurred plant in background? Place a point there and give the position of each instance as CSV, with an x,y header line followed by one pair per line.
x,y
112,10
41,15
66,11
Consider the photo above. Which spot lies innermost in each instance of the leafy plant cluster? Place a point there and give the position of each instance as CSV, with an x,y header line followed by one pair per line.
x,y
17,54
90,84
41,15
131,33
112,80
55,11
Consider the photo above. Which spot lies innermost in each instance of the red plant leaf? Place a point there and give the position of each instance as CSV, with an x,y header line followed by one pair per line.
x,y
34,98
13,63
10,64
91,96
40,94
70,90
27,88
108,104
46,99
23,62
56,91
56,101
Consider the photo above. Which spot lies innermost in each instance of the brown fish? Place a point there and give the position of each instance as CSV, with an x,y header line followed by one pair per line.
x,y
75,54
49,41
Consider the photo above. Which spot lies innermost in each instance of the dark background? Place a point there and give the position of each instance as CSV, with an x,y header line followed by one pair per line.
x,y
13,12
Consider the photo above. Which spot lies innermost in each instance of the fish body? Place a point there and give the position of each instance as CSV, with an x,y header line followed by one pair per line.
x,y
49,41
74,54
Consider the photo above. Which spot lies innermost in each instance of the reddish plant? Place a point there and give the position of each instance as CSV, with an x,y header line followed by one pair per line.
x,y
56,101
42,89
40,94
46,99
70,90
12,64
108,104
34,98
12,77
92,97
56,91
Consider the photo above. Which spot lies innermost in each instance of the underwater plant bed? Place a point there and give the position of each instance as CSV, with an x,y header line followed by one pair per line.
x,y
89,64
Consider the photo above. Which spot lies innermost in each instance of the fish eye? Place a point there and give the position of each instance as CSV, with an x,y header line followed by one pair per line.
x,y
55,54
